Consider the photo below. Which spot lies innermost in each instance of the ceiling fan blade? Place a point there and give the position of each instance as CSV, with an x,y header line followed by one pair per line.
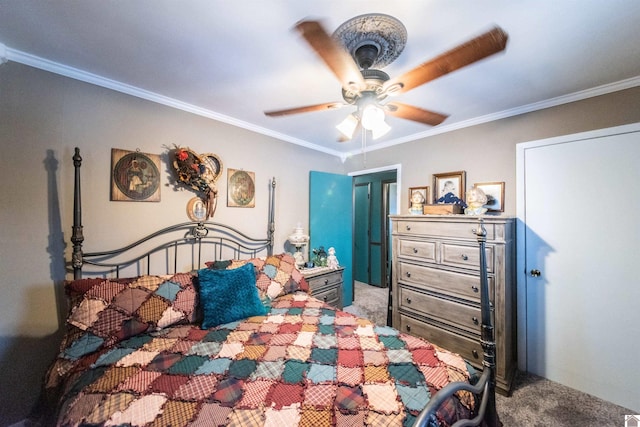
x,y
467,53
333,54
416,114
307,109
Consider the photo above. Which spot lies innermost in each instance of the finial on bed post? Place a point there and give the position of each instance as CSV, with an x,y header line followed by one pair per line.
x,y
272,210
77,237
487,333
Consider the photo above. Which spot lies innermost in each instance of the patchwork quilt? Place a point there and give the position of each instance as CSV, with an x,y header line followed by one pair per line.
x,y
304,363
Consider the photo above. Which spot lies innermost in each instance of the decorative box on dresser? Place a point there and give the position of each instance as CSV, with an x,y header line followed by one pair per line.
x,y
436,285
325,284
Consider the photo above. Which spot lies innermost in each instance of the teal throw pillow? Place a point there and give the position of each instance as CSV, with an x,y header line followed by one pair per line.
x,y
229,295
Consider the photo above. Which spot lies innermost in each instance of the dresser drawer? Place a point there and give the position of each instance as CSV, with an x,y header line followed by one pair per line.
x,y
325,279
465,256
419,249
468,348
460,230
331,296
465,286
461,315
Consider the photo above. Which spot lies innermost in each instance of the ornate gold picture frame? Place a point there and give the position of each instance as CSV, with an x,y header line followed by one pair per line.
x,y
197,209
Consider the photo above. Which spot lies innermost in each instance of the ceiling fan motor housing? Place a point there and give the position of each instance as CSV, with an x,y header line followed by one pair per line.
x,y
374,79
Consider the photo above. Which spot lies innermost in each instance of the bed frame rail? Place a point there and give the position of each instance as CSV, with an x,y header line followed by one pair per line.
x,y
486,412
187,243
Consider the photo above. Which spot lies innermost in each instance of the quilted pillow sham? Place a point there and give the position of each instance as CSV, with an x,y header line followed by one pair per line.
x,y
229,295
107,311
276,275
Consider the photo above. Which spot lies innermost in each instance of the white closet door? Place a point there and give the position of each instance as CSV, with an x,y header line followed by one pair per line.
x,y
579,207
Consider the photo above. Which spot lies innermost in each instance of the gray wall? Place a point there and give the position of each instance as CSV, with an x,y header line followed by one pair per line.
x,y
42,118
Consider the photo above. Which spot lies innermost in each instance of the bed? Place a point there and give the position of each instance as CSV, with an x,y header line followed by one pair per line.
x,y
237,340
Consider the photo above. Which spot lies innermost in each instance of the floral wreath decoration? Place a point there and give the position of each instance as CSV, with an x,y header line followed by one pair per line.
x,y
198,172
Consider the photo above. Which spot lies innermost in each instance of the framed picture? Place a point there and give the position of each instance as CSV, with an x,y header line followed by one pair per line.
x,y
197,210
135,176
450,182
495,195
423,191
241,188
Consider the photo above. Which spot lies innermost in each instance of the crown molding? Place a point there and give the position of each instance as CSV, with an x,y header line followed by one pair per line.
x,y
7,53
84,76
541,105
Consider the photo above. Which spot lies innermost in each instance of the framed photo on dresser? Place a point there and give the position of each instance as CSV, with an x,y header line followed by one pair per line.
x,y
495,195
449,182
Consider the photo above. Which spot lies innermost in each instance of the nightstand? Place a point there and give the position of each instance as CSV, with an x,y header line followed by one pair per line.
x,y
325,284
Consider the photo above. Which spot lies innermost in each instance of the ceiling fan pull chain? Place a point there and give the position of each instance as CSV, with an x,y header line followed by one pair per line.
x,y
364,146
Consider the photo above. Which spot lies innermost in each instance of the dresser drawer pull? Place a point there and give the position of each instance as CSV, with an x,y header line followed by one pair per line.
x,y
408,328
408,300
475,353
415,250
408,228
408,274
326,297
474,289
464,257
326,281
475,320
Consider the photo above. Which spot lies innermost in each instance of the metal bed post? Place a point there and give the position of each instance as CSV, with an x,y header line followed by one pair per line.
x,y
77,237
487,335
486,384
272,210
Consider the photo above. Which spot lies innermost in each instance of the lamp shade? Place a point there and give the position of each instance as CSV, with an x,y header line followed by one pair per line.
x,y
371,116
380,129
348,126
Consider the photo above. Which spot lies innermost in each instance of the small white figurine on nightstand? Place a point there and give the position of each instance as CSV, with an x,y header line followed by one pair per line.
x,y
332,260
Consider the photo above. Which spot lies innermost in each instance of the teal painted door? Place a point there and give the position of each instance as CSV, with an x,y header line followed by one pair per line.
x,y
330,221
362,230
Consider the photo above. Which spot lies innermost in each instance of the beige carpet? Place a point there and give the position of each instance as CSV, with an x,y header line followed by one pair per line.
x,y
535,401
370,302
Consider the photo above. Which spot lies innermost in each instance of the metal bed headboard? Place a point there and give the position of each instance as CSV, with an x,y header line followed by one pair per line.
x,y
188,242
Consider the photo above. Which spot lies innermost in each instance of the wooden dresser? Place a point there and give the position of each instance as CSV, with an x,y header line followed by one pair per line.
x,y
436,285
325,284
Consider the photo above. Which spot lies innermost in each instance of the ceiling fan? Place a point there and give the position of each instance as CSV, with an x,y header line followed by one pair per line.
x,y
367,42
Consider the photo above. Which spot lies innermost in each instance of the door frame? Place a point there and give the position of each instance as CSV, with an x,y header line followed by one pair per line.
x,y
395,167
521,267
368,232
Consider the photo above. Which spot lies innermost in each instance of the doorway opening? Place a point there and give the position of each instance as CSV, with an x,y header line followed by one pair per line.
x,y
375,197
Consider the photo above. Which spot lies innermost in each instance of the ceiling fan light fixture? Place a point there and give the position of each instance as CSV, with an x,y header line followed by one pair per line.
x,y
348,126
381,129
373,120
372,115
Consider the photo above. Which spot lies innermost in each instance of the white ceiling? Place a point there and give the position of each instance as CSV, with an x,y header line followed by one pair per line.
x,y
234,59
